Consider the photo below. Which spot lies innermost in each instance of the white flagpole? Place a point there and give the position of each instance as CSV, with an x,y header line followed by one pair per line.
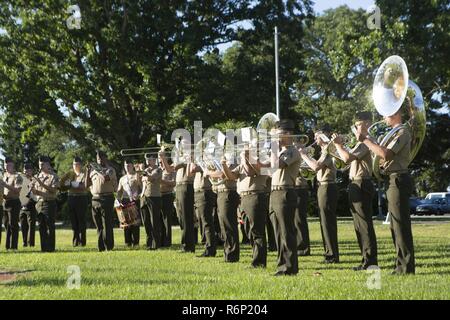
x,y
277,93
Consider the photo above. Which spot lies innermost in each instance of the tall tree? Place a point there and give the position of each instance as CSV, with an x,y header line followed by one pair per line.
x,y
132,66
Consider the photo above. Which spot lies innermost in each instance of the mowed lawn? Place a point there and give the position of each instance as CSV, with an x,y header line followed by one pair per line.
x,y
168,274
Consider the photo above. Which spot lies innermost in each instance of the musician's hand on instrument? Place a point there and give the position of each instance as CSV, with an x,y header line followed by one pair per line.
x,y
337,139
223,161
302,151
362,130
360,136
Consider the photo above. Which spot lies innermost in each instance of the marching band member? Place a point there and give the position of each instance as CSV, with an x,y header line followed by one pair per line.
x,y
45,187
12,184
103,182
128,190
283,198
28,214
75,182
184,198
203,203
227,204
167,209
361,191
399,186
252,185
151,202
327,195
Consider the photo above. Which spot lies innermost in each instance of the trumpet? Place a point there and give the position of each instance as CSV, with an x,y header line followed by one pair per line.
x,y
349,142
31,185
304,170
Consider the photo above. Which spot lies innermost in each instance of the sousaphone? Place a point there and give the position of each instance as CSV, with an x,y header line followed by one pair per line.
x,y
392,90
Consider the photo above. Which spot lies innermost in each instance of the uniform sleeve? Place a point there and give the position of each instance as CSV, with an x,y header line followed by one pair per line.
x,y
399,142
323,157
360,151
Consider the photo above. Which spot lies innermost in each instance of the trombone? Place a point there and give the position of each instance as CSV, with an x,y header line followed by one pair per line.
x,y
147,150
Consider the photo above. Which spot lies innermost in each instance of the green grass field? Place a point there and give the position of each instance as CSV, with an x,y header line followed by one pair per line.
x,y
168,274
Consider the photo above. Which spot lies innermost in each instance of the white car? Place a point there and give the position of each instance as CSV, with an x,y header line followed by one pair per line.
x,y
435,195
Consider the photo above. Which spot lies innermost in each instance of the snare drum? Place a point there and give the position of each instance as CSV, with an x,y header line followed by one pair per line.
x,y
128,215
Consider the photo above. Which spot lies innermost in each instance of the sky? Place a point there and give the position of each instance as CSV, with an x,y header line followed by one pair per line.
x,y
321,5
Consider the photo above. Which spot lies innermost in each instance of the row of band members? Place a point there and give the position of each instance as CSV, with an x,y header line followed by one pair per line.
x,y
278,203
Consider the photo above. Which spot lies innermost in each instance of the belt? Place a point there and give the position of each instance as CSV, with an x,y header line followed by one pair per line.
x,y
246,193
183,183
326,183
361,178
278,188
100,195
225,190
202,190
76,194
166,193
301,187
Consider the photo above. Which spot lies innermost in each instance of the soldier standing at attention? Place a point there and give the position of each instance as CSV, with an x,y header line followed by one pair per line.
x,y
102,181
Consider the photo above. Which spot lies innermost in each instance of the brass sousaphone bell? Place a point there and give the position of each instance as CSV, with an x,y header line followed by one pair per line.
x,y
393,90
